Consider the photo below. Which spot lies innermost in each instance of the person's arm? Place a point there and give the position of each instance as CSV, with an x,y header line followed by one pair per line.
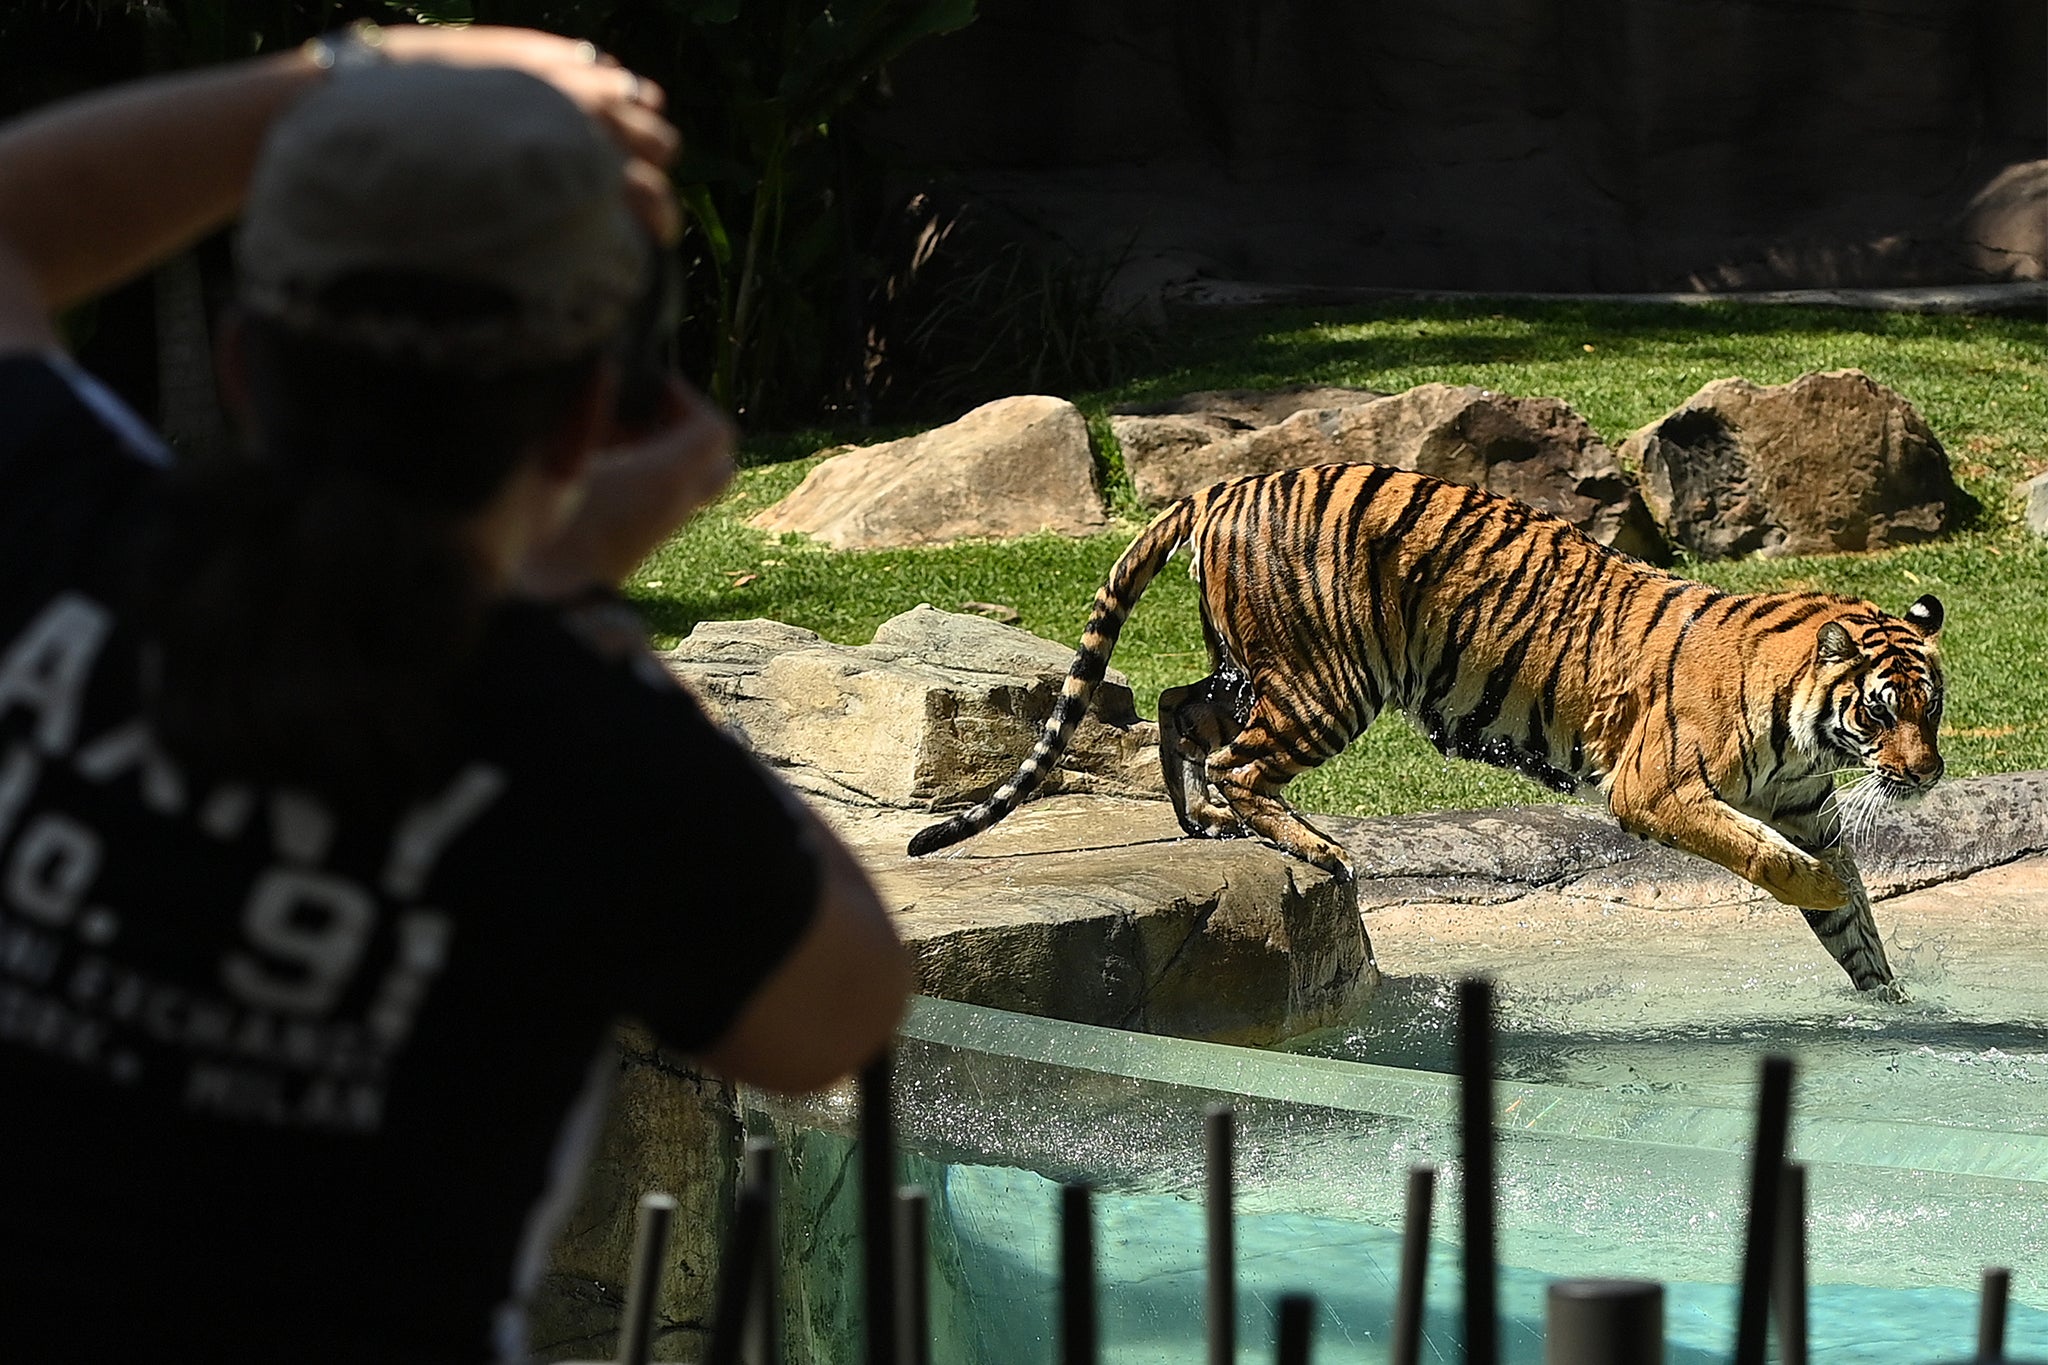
x,y
834,1002
97,189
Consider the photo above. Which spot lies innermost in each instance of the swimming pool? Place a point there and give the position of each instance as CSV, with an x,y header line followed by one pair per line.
x,y
1620,1155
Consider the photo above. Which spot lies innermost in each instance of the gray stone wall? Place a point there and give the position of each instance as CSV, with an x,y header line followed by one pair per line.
x,y
1503,144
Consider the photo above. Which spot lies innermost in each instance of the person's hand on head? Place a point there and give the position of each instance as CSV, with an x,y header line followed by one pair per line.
x,y
104,187
626,105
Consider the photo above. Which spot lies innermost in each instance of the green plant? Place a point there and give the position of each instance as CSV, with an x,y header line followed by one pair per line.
x,y
780,207
774,200
1026,317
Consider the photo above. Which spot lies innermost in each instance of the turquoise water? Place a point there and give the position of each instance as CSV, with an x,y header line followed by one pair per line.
x,y
1619,1157
1149,1250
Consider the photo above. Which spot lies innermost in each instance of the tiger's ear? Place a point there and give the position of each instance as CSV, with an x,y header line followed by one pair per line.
x,y
1836,645
1925,615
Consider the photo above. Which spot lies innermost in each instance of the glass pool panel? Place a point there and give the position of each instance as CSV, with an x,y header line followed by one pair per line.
x,y
1596,1179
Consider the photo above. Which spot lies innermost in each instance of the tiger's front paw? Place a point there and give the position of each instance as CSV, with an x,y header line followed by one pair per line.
x,y
1797,879
1213,820
1325,855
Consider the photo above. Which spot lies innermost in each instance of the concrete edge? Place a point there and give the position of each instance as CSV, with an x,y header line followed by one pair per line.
x,y
2023,296
1487,856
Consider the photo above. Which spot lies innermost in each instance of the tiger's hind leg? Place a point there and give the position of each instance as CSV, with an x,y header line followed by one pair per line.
x,y
1194,722
1250,771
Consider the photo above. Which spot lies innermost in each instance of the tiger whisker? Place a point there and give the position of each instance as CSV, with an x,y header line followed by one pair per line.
x,y
1834,813
1861,802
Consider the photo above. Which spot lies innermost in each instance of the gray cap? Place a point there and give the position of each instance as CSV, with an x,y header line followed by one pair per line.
x,y
480,175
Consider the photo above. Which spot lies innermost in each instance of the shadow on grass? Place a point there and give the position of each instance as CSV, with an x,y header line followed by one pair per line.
x,y
678,616
1393,340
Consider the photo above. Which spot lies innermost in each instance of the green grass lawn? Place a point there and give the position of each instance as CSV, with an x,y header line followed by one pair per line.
x,y
1981,384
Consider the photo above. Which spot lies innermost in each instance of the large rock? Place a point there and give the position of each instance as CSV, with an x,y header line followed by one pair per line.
x,y
2005,226
1827,463
1098,911
1238,410
1112,918
1487,857
2036,493
940,709
1165,436
1535,449
1008,468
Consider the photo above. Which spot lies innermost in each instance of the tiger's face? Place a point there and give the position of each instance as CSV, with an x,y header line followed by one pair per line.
x,y
1885,696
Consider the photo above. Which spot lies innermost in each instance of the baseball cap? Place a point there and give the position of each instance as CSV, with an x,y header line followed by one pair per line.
x,y
482,176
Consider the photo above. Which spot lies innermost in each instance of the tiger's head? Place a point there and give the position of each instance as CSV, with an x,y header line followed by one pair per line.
x,y
1883,687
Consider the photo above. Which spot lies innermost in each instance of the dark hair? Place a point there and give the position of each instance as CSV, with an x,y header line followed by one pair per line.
x,y
311,602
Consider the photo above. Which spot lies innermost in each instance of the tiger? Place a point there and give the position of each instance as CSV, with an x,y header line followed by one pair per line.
x,y
1708,721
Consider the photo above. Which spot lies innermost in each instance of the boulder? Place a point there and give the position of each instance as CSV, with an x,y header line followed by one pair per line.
x,y
1244,409
1008,468
1111,917
1829,462
1165,435
2036,493
1099,911
2005,226
939,710
1535,449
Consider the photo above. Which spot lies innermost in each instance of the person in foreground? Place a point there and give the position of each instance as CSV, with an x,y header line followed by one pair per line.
x,y
342,807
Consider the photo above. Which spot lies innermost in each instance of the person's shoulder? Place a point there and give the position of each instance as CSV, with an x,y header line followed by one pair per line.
x,y
574,706
586,673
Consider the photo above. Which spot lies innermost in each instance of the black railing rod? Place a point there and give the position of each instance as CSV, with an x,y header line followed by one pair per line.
x,y
763,1341
1476,1142
643,1294
1766,1180
1991,1314
1604,1322
913,1283
878,1209
1297,1324
1079,1330
1788,1294
1409,1296
738,1276
1221,1209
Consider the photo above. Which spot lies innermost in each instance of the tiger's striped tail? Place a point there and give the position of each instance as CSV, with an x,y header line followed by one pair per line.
x,y
1133,573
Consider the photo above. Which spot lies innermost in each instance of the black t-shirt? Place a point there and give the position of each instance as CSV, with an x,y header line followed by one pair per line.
x,y
280,1085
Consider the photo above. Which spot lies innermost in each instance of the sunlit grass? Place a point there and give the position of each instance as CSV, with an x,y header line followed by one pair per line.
x,y
1981,383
